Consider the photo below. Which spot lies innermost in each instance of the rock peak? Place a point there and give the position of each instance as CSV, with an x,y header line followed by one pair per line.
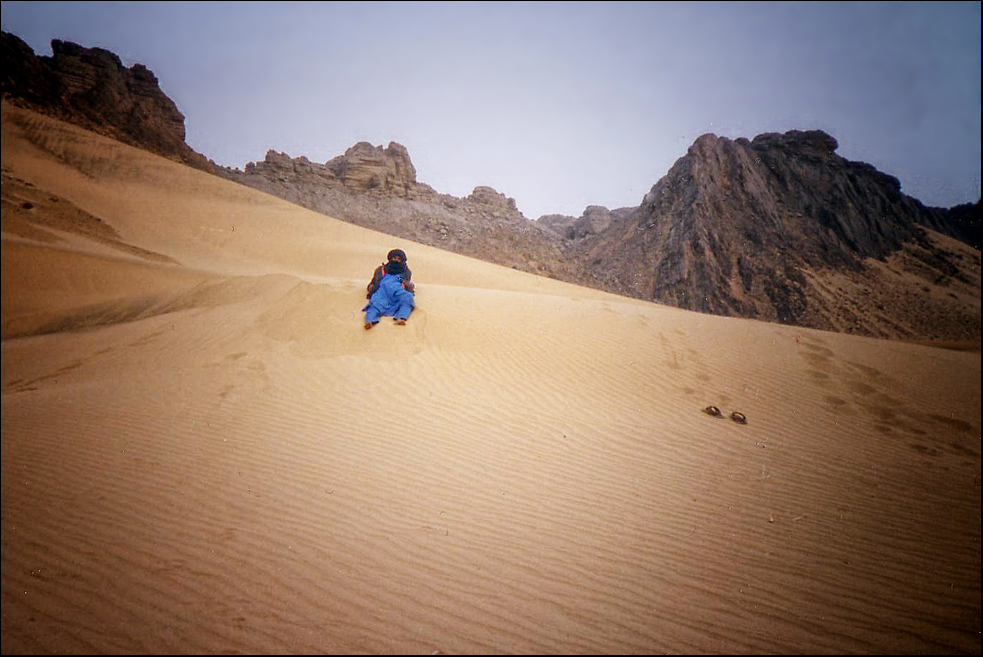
x,y
367,167
90,87
803,140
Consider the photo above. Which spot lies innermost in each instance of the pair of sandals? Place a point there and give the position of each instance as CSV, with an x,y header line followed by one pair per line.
x,y
736,416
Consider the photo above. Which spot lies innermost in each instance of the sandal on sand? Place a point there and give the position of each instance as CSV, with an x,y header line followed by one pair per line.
x,y
736,416
400,321
369,325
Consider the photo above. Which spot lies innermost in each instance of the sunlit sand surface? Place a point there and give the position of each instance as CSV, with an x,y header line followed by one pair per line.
x,y
203,451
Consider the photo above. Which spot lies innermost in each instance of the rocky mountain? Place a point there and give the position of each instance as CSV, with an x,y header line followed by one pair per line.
x,y
758,228
778,228
91,87
376,187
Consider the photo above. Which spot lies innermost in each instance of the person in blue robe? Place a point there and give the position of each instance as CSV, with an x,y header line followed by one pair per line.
x,y
390,292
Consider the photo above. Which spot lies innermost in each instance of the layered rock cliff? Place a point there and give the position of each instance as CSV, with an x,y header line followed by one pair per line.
x,y
91,87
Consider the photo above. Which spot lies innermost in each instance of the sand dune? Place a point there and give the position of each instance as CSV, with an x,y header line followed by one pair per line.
x,y
204,452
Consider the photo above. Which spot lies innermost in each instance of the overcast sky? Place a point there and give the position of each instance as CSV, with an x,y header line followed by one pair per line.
x,y
558,105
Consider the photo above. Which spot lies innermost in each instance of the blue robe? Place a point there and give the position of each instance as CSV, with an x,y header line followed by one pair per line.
x,y
389,300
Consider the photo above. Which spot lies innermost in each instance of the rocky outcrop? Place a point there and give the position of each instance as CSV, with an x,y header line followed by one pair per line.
x,y
559,224
741,227
595,220
961,222
778,228
367,168
377,188
363,169
91,87
493,200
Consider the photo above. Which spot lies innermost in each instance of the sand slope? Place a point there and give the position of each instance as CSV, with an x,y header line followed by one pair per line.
x,y
203,451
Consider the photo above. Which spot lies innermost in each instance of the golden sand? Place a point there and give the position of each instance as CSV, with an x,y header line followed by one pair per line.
x,y
203,451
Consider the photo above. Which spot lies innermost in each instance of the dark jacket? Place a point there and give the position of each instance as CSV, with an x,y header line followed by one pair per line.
x,y
380,271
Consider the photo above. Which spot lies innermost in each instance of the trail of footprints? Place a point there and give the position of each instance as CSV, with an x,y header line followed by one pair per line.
x,y
869,388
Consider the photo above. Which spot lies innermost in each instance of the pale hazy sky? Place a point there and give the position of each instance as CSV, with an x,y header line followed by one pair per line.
x,y
559,105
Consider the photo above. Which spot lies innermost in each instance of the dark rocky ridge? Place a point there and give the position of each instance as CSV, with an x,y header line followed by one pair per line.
x,y
91,88
778,228
734,227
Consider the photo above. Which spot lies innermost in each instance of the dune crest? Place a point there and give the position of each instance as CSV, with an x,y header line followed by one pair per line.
x,y
203,451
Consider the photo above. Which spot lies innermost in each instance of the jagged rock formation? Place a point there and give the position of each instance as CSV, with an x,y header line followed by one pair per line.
x,y
377,188
746,228
594,220
962,222
558,223
778,228
365,167
91,87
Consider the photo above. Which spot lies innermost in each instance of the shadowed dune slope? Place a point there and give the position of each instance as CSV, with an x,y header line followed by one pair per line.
x,y
204,452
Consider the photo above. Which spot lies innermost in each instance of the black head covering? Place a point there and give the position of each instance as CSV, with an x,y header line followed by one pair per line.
x,y
396,262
